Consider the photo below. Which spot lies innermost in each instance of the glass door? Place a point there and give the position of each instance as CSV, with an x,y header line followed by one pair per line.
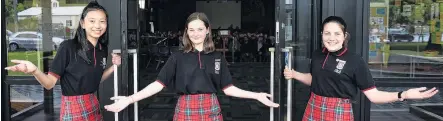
x,y
297,31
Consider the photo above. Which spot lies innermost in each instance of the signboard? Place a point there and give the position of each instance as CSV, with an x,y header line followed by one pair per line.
x,y
407,10
381,11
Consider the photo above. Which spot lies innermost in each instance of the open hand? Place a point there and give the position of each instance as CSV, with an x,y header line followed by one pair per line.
x,y
116,59
420,93
22,66
263,98
121,102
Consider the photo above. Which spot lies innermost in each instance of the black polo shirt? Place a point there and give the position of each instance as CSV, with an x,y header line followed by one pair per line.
x,y
195,72
339,74
76,75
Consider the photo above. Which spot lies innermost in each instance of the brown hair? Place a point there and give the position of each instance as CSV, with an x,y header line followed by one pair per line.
x,y
208,44
341,23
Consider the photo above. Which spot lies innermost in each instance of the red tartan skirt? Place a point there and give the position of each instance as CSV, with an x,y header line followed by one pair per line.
x,y
321,108
198,107
80,108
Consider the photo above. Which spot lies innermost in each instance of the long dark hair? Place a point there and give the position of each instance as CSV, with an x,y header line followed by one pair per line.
x,y
208,44
80,40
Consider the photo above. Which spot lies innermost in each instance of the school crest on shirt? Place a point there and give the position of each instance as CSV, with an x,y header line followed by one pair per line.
x,y
217,66
340,65
103,63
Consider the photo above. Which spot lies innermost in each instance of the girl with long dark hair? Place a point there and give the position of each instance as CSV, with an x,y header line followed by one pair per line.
x,y
80,65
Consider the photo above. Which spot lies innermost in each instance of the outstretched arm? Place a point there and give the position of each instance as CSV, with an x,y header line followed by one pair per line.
x,y
376,96
262,97
46,80
364,81
166,76
148,91
58,66
123,101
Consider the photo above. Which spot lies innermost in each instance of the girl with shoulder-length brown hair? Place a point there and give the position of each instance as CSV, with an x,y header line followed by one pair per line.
x,y
196,74
208,43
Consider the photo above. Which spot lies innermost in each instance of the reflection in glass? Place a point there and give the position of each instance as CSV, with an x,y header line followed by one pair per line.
x,y
405,38
24,96
34,27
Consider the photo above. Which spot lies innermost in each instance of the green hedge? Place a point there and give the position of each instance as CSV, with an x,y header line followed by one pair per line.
x,y
412,46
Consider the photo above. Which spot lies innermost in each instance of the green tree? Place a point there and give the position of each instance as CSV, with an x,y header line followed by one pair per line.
x,y
10,12
394,15
427,8
27,24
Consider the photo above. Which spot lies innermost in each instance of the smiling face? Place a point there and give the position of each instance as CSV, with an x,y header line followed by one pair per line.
x,y
333,36
197,31
94,23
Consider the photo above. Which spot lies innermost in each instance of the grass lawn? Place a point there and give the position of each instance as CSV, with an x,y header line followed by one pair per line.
x,y
34,56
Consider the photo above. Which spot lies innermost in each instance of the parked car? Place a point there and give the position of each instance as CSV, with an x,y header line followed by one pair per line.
x,y
398,35
9,33
29,40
